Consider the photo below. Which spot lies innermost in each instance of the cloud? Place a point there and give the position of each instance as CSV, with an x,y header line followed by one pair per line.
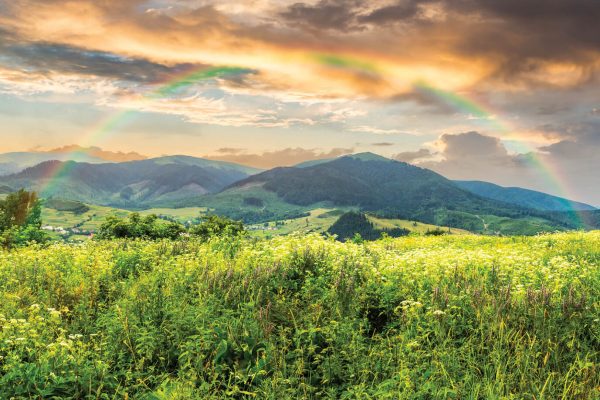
x,y
46,58
339,65
379,131
326,14
412,156
382,144
471,145
230,150
566,168
114,156
284,157
396,12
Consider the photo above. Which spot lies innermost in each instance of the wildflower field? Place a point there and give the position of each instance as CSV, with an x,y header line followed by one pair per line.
x,y
464,317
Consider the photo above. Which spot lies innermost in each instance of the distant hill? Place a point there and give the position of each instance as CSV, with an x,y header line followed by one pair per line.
x,y
15,162
6,189
383,187
203,162
97,152
130,184
372,183
12,163
523,197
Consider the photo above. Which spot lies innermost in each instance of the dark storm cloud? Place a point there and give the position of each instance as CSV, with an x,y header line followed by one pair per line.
x,y
520,37
344,15
49,57
326,14
398,12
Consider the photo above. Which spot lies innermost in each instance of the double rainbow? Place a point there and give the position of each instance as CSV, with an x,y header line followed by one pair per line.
x,y
461,103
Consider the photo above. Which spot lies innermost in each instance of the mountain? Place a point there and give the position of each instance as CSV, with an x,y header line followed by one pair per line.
x,y
370,182
203,162
97,152
131,184
15,162
373,184
523,197
12,163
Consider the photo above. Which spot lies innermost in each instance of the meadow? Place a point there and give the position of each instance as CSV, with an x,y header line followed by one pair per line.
x,y
303,316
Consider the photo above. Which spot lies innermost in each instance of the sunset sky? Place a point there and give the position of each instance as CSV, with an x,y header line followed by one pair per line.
x,y
504,91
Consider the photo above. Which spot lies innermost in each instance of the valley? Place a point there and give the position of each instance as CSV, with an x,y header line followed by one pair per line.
x,y
307,198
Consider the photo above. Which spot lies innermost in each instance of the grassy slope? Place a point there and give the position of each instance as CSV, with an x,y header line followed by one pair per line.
x,y
321,219
92,219
304,317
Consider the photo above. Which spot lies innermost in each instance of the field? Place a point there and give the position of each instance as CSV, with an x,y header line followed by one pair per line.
x,y
320,219
91,220
301,316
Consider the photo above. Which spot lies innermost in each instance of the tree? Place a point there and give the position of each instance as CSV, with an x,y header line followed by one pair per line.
x,y
153,227
21,219
214,225
149,227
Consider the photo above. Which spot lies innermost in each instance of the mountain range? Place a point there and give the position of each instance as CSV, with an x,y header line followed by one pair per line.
x,y
365,181
15,162
523,197
130,184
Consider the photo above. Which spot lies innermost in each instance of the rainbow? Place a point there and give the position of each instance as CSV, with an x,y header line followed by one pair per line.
x,y
485,115
346,63
461,103
110,125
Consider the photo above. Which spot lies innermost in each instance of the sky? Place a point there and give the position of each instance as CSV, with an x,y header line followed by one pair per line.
x,y
502,91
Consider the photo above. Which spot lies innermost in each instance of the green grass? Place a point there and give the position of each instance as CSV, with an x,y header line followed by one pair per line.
x,y
231,203
90,220
321,219
413,226
524,226
303,317
179,214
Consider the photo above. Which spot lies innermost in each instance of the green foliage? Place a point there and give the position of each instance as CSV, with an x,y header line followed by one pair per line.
x,y
253,201
234,204
21,219
436,232
148,227
389,189
351,224
213,225
75,207
153,228
462,317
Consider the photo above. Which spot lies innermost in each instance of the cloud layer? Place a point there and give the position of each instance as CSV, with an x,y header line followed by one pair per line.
x,y
519,76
